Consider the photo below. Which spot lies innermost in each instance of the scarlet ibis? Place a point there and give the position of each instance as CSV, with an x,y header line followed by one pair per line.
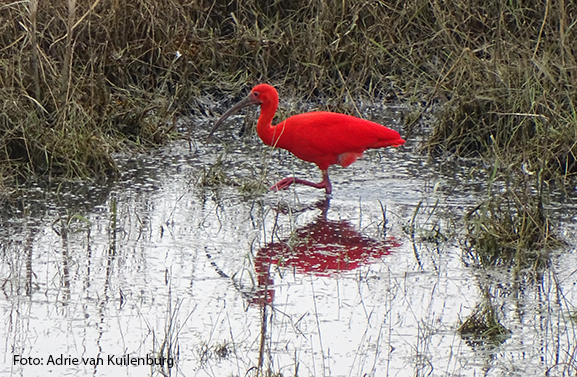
x,y
324,138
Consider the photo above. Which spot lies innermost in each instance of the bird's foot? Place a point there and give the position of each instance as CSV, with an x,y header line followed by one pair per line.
x,y
283,184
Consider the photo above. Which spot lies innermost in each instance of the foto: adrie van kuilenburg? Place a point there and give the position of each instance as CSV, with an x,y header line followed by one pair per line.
x,y
123,360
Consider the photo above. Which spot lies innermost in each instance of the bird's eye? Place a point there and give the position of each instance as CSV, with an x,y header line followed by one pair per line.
x,y
256,94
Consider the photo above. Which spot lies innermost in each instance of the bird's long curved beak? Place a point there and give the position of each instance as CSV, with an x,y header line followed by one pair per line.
x,y
242,104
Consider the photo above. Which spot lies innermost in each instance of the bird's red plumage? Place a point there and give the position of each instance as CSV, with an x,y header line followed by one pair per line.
x,y
329,138
323,138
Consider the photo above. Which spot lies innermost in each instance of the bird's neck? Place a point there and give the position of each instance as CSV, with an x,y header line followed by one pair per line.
x,y
266,131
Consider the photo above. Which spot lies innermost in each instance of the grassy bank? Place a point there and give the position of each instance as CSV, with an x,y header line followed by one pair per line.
x,y
81,79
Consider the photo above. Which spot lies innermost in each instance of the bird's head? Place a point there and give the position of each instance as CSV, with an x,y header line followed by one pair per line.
x,y
263,94
260,95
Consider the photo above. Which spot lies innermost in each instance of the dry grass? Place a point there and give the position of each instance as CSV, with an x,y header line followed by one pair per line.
x,y
80,79
513,87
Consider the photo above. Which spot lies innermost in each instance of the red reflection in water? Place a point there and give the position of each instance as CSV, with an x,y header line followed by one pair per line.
x,y
323,247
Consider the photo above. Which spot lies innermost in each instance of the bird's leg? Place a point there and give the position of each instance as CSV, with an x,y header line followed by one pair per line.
x,y
325,183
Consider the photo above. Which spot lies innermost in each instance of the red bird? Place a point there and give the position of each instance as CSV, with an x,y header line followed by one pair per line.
x,y
321,137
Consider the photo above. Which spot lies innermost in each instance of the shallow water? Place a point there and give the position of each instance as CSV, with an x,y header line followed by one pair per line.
x,y
158,265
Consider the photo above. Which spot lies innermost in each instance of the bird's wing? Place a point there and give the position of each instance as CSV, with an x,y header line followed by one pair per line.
x,y
333,133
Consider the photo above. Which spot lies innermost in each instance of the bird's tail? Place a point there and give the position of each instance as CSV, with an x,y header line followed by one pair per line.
x,y
388,143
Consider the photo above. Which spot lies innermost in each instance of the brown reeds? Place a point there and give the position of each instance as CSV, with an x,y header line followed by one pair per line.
x,y
516,81
33,7
67,64
495,71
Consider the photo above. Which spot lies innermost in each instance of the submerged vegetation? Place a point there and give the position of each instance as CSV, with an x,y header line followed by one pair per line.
x,y
482,328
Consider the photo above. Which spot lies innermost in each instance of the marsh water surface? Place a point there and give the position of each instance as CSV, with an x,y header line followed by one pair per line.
x,y
216,280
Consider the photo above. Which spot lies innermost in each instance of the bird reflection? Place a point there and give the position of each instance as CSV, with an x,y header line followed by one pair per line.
x,y
323,247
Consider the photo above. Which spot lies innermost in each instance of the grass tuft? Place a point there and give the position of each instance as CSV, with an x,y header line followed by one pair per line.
x,y
483,330
509,230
